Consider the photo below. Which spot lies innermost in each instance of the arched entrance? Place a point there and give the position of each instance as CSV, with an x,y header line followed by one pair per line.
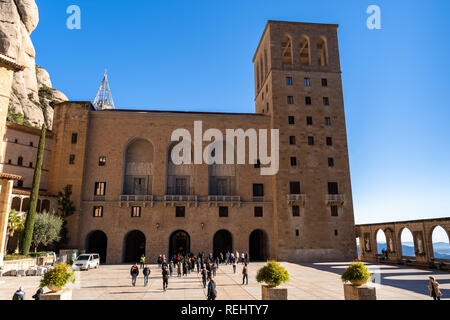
x,y
407,243
179,243
258,244
222,242
97,242
134,246
381,241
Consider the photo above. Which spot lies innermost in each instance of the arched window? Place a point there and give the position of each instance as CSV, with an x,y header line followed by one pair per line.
x,y
286,50
407,242
266,70
441,246
305,52
381,241
257,76
20,161
138,167
322,51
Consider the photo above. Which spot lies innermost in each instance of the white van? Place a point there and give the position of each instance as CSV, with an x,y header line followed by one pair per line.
x,y
87,261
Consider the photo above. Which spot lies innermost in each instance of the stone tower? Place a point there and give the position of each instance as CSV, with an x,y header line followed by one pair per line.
x,y
298,83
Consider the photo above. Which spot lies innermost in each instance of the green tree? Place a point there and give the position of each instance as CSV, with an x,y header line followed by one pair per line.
x,y
47,229
29,223
15,224
66,208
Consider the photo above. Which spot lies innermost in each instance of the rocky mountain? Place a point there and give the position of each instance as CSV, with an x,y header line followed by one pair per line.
x,y
32,95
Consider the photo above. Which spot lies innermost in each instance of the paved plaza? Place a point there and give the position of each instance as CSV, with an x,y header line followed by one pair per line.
x,y
313,281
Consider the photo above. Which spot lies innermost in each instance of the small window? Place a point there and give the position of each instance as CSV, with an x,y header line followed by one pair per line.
x,y
257,165
262,96
74,138
290,100
333,188
295,211
291,119
334,211
336,233
307,82
31,165
31,143
309,121
102,161
289,81
16,141
308,101
98,212
20,183
69,187
294,187
180,212
331,162
293,161
223,212
327,121
311,141
258,212
258,190
297,233
268,107
20,161
136,212
292,140
329,141
9,161
100,189
72,159
326,101
324,82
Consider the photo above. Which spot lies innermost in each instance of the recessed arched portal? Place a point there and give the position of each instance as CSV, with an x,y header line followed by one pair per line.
x,y
407,242
440,242
97,242
222,242
179,243
258,244
381,241
134,246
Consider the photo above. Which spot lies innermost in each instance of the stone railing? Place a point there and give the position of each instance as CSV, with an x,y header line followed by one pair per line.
x,y
173,199
334,199
296,199
218,199
145,199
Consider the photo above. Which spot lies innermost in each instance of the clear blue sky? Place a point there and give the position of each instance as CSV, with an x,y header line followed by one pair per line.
x,y
396,84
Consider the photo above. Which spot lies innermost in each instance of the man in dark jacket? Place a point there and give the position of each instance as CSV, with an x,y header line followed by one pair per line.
x,y
146,272
204,276
165,276
245,274
19,294
134,274
37,295
212,293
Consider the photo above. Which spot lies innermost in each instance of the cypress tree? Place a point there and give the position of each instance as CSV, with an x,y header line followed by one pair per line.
x,y
29,223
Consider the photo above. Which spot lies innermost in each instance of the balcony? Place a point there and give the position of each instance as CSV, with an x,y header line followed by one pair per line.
x,y
173,199
258,199
335,199
296,199
128,199
99,198
224,199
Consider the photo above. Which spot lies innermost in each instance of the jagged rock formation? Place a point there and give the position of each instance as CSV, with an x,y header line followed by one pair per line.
x,y
32,94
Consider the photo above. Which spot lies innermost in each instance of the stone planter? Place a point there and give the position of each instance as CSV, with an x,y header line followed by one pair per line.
x,y
352,292
54,289
358,282
65,294
270,293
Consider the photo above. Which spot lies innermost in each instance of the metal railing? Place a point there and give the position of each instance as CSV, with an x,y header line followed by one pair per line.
x,y
335,198
224,198
136,197
296,197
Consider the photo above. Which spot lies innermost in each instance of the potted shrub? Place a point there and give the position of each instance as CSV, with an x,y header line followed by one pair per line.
x,y
57,278
273,274
357,274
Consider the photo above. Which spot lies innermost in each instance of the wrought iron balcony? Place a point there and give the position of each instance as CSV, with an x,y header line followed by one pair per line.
x,y
258,199
225,199
133,198
335,199
296,199
180,198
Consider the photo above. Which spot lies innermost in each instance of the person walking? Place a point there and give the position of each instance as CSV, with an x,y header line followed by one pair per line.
x,y
433,285
165,276
171,267
245,274
234,266
142,260
179,268
19,294
159,261
221,257
185,268
146,272
37,295
243,258
212,293
204,276
237,256
214,269
197,264
134,274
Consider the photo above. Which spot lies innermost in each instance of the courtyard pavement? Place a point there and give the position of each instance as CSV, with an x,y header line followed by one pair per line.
x,y
311,281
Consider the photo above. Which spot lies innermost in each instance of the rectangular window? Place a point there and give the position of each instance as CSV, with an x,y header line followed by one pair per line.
x,y
333,188
295,211
311,141
72,159
102,161
334,211
97,212
31,165
223,212
292,140
291,119
20,183
136,212
180,186
329,141
262,95
308,101
257,165
290,100
331,162
307,82
297,233
258,190
100,189
309,121
31,143
324,82
180,212
289,81
74,138
293,161
336,233
294,187
327,121
258,212
326,101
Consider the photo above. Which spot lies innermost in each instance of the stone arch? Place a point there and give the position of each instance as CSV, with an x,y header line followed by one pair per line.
x,y
406,241
25,204
179,177
97,242
222,242
45,206
440,242
138,171
16,204
286,50
134,246
258,245
322,51
305,50
380,240
179,243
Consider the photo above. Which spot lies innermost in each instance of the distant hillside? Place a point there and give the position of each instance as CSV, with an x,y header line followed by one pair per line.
x,y
441,249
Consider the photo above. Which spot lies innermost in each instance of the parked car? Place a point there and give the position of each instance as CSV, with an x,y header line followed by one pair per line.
x,y
87,261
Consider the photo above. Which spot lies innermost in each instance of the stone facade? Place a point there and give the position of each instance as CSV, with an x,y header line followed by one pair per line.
x,y
92,147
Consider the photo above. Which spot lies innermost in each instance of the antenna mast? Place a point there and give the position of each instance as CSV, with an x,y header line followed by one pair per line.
x,y
103,100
